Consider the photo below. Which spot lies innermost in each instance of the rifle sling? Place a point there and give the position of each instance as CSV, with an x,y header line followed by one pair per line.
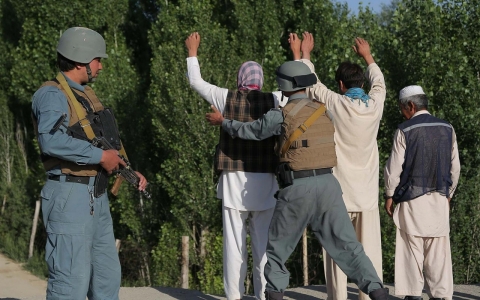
x,y
80,113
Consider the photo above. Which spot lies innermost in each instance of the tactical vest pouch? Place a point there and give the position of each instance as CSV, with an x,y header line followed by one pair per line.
x,y
284,175
110,131
101,183
103,124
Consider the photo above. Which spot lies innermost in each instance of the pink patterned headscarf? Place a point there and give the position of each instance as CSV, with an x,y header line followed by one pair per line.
x,y
250,76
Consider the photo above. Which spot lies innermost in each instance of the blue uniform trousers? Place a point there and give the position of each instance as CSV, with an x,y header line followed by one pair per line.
x,y
316,201
80,251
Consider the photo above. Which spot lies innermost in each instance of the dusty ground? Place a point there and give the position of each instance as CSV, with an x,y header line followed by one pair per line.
x,y
18,284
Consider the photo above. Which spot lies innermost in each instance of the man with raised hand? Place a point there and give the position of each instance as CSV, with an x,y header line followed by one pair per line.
x,y
310,194
247,181
356,117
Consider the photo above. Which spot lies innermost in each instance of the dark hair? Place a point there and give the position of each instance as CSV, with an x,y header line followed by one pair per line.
x,y
420,101
350,74
65,64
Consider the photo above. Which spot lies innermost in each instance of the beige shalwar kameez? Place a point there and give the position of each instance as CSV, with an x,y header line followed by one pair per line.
x,y
422,250
356,128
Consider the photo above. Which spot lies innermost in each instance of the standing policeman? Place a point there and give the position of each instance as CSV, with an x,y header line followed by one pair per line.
x,y
80,250
310,194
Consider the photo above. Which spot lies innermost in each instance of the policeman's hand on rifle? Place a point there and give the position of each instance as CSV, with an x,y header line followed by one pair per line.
x,y
214,118
142,184
110,161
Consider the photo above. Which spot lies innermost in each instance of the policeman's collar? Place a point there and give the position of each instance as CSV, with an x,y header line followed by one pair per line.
x,y
297,96
73,84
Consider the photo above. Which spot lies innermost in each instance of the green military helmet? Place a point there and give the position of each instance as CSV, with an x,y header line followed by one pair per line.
x,y
293,76
82,45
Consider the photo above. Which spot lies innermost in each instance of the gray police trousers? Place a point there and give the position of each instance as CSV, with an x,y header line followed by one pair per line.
x,y
316,201
80,251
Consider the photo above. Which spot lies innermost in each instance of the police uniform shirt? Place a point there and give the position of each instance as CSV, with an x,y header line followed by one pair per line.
x,y
48,105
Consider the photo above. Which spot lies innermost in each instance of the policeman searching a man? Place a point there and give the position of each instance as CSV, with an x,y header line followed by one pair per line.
x,y
310,193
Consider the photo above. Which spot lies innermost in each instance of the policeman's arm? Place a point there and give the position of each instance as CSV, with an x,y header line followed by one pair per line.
x,y
268,125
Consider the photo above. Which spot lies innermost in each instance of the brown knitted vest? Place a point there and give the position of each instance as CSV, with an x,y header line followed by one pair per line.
x,y
243,155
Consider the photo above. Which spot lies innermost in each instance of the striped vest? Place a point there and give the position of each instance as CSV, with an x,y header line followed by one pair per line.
x,y
242,155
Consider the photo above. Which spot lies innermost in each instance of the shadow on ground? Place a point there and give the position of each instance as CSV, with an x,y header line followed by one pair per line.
x,y
182,294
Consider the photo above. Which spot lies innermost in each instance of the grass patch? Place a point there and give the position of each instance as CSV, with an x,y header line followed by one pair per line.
x,y
37,265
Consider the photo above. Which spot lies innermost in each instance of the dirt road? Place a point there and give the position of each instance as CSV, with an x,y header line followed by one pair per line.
x,y
18,284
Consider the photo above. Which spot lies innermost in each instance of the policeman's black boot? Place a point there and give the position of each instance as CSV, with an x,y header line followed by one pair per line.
x,y
413,298
379,294
272,295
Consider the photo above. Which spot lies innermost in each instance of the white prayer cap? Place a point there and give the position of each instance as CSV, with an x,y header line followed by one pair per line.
x,y
410,90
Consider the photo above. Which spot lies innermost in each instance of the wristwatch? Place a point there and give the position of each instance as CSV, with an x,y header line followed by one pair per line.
x,y
385,196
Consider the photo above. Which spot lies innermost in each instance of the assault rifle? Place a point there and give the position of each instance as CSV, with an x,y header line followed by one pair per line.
x,y
123,173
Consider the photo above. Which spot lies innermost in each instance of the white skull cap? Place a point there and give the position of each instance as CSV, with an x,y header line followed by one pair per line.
x,y
410,90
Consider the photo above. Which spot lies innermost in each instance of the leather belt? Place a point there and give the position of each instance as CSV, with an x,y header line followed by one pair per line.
x,y
310,173
71,178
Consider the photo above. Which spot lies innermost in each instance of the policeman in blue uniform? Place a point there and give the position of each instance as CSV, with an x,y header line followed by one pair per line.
x,y
80,250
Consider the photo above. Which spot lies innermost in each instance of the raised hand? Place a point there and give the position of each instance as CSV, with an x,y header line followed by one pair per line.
x,y
192,43
362,48
214,118
295,44
307,44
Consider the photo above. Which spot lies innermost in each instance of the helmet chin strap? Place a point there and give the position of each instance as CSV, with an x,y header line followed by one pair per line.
x,y
89,73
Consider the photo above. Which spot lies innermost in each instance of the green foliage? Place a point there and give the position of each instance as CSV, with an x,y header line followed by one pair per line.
x,y
166,256
210,277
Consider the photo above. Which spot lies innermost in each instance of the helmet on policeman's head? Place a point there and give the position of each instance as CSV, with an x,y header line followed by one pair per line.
x,y
81,45
293,76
